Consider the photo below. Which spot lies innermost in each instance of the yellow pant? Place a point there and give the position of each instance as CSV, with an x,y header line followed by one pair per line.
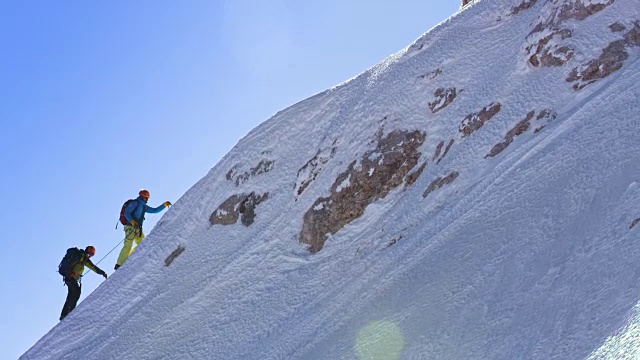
x,y
131,234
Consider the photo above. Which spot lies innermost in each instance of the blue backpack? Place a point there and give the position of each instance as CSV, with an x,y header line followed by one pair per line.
x,y
73,256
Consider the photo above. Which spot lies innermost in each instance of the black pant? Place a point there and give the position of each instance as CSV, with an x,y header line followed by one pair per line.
x,y
72,296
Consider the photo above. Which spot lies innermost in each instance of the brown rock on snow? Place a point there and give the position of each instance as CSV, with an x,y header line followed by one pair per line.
x,y
446,150
263,166
311,169
440,182
544,54
545,116
610,60
371,178
527,4
474,122
444,97
237,206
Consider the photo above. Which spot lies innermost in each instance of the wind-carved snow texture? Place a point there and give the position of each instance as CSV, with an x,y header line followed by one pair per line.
x,y
264,166
238,206
531,254
611,59
444,97
372,178
312,168
624,345
475,121
543,118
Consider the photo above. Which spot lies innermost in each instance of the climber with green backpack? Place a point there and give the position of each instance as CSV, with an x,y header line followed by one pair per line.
x,y
132,216
71,268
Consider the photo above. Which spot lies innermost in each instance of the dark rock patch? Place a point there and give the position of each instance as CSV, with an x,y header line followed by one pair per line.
x,y
526,5
617,27
545,54
440,182
238,206
372,177
474,122
633,223
430,76
444,97
545,116
173,255
466,2
263,166
446,150
610,60
394,240
248,207
570,10
308,173
632,38
411,178
438,150
522,126
579,11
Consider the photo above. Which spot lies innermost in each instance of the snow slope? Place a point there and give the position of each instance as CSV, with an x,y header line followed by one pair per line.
x,y
471,197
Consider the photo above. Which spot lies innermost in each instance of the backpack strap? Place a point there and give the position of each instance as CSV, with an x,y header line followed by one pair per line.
x,y
133,212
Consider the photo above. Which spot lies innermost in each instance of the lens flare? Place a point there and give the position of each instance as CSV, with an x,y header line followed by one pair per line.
x,y
380,340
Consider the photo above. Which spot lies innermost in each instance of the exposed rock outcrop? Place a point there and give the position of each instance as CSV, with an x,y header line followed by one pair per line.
x,y
633,223
378,172
174,254
610,60
475,121
617,27
444,97
544,117
238,206
263,166
308,173
440,182
411,178
527,4
581,9
439,150
546,47
430,76
546,53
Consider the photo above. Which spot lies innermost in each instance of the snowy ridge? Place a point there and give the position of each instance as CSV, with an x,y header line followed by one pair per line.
x,y
471,197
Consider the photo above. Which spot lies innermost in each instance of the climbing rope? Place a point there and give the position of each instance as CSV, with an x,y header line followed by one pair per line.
x,y
96,264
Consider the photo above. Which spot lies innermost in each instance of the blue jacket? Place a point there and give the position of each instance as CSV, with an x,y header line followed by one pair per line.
x,y
136,210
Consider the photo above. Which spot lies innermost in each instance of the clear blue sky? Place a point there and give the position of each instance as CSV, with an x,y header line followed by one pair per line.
x,y
101,98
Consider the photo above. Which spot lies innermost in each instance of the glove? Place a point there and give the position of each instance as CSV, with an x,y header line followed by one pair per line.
x,y
133,223
166,204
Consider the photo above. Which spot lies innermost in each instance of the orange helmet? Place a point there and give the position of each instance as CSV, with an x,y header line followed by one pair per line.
x,y
90,250
144,193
